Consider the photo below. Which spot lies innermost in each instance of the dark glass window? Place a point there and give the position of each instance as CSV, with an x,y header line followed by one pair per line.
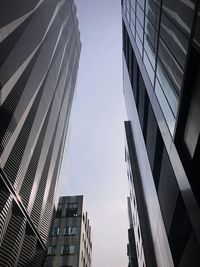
x,y
157,158
55,231
171,66
141,90
197,30
188,127
72,210
152,11
180,12
67,249
192,128
71,230
149,49
51,250
168,190
59,210
149,67
135,74
151,135
146,107
175,39
180,231
191,255
168,102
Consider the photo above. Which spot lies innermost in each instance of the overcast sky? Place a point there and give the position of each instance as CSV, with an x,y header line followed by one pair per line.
x,y
94,165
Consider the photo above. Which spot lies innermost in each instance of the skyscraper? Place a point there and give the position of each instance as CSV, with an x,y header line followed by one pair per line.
x,y
70,242
161,68
39,57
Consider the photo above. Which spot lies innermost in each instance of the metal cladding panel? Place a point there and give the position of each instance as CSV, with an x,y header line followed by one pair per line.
x,y
39,54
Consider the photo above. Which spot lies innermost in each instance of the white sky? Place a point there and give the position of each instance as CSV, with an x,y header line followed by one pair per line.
x,y
94,163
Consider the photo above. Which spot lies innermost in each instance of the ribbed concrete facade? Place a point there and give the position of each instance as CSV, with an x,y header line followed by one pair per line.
x,y
39,56
70,240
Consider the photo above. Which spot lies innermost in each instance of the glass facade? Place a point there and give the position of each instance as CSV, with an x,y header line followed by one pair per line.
x,y
162,34
161,55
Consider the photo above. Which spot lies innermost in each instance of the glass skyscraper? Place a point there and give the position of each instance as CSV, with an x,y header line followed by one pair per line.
x,y
39,57
161,68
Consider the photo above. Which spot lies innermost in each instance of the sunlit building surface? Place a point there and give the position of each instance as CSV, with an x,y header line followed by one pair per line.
x,y
70,242
39,56
161,72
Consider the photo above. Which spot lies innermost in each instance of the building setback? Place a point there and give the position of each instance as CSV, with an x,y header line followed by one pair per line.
x,y
70,242
161,70
39,57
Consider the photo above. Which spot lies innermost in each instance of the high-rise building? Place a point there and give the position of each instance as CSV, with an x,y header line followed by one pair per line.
x,y
70,242
161,70
39,57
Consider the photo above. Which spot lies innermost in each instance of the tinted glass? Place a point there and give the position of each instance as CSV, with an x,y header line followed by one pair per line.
x,y
180,12
192,129
171,66
168,88
164,104
175,39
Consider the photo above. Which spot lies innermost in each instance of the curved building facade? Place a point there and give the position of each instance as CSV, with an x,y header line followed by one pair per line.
x,y
39,56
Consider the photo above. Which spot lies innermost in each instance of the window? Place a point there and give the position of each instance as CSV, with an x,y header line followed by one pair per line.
x,y
72,210
70,230
192,129
51,250
67,249
59,206
55,231
180,231
59,210
72,206
187,137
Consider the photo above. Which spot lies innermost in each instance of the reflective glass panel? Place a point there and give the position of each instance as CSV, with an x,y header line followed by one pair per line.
x,y
152,11
197,30
140,15
176,40
139,44
149,68
139,30
149,50
168,88
180,12
151,33
133,29
170,65
167,112
192,129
